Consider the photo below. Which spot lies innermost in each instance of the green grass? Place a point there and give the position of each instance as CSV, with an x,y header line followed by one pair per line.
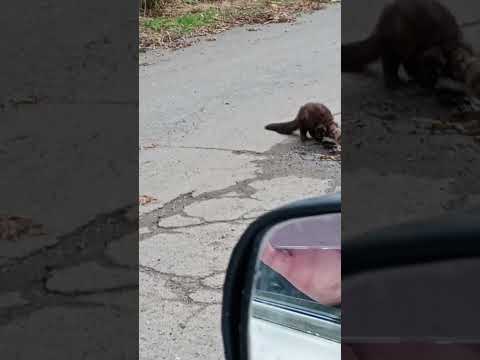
x,y
184,24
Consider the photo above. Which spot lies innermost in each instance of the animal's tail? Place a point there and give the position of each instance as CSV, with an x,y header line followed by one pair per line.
x,y
357,55
283,128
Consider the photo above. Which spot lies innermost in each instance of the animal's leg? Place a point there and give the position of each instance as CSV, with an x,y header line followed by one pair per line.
x,y
391,65
425,77
303,134
411,67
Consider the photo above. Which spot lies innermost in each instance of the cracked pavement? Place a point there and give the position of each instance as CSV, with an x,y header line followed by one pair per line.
x,y
58,295
70,289
211,168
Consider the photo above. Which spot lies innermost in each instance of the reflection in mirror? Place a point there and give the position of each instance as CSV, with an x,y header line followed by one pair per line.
x,y
295,307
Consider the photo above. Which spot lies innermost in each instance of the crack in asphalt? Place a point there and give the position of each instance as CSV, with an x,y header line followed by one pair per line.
x,y
15,313
238,220
26,276
184,286
276,162
233,151
281,160
152,271
177,206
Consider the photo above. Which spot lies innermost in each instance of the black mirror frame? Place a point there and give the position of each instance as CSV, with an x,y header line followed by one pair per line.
x,y
241,269
451,236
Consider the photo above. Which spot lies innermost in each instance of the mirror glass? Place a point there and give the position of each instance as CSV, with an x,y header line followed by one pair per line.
x,y
295,307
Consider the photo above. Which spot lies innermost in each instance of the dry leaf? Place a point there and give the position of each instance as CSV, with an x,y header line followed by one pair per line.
x,y
146,199
14,227
151,146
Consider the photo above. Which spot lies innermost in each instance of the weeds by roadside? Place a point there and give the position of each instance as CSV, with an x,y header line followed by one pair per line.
x,y
179,23
184,24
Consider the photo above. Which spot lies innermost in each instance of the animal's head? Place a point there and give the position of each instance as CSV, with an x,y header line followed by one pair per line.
x,y
337,135
433,65
475,90
473,79
320,132
459,61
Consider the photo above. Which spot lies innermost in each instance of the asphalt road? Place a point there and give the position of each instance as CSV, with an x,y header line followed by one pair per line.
x,y
211,168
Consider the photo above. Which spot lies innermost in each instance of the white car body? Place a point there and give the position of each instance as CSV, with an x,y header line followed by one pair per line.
x,y
288,343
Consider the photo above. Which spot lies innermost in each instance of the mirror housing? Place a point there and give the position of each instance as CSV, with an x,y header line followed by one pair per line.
x,y
240,274
394,255
424,272
453,235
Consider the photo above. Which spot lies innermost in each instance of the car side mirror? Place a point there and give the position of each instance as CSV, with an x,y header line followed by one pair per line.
x,y
282,291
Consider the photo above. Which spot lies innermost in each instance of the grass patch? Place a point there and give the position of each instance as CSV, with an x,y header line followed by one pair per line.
x,y
185,24
177,23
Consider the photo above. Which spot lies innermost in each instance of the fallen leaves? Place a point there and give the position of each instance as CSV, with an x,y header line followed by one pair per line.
x,y
150,39
319,152
15,227
146,199
150,146
322,157
466,123
234,13
331,157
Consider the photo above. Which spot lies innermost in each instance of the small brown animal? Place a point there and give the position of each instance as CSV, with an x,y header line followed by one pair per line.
x,y
473,79
312,118
405,31
427,68
464,66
